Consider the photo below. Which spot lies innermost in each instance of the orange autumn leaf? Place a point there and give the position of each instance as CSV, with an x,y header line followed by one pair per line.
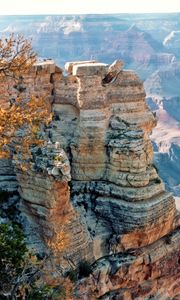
x,y
22,115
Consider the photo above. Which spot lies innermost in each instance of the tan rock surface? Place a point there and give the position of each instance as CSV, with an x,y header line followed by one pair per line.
x,y
116,202
150,272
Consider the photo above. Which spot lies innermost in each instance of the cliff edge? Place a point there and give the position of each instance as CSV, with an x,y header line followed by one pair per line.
x,y
96,170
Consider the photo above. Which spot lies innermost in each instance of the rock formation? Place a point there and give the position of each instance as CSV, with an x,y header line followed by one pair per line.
x,y
95,169
145,44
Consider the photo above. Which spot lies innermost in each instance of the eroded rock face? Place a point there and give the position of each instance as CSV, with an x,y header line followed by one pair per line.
x,y
96,171
151,272
8,180
114,184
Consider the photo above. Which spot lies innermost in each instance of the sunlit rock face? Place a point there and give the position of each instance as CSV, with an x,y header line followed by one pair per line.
x,y
96,171
150,272
115,186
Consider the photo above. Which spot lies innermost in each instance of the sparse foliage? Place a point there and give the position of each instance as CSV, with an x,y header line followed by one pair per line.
x,y
21,122
60,239
24,115
12,258
21,272
20,119
16,56
83,269
11,237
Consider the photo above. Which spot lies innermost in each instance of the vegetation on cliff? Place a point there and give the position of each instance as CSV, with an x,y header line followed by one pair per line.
x,y
20,117
20,271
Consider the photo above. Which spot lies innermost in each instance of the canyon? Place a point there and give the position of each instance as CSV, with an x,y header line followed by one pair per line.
x,y
95,170
147,43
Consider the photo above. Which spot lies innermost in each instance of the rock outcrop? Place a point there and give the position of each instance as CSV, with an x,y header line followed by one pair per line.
x,y
113,178
96,171
150,272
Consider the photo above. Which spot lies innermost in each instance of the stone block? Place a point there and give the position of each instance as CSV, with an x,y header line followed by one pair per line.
x,y
89,69
69,65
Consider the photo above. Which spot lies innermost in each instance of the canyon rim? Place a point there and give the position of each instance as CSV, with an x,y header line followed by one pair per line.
x,y
96,169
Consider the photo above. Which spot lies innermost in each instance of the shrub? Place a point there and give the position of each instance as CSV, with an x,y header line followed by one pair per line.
x,y
13,250
84,269
46,292
3,196
19,269
72,274
157,180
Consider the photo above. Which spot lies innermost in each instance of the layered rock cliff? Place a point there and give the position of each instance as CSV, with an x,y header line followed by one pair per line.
x,y
96,171
148,44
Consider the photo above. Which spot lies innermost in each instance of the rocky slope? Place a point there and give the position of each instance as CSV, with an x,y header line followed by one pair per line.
x,y
93,183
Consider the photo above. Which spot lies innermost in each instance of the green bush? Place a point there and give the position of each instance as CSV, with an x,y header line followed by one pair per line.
x,y
15,262
157,180
72,274
3,196
12,251
46,292
84,269
39,293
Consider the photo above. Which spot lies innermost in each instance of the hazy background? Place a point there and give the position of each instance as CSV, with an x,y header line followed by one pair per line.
x,y
148,43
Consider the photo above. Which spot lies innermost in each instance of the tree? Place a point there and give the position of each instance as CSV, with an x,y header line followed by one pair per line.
x,y
20,119
17,266
21,122
12,253
16,56
21,272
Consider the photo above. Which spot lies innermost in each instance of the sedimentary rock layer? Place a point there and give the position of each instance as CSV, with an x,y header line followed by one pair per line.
x,y
94,180
111,156
151,272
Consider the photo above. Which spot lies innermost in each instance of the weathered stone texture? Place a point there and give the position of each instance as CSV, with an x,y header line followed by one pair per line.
x,y
46,206
8,180
115,186
111,155
116,205
150,272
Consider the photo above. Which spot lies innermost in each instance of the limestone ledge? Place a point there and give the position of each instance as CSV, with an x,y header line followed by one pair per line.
x,y
128,223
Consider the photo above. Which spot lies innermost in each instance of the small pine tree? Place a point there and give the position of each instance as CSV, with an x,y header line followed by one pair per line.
x,y
12,256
